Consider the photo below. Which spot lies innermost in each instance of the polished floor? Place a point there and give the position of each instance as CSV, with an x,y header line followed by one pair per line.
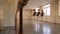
x,y
35,27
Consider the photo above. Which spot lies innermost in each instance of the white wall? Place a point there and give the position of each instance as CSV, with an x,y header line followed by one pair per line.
x,y
9,13
57,11
27,14
54,17
9,9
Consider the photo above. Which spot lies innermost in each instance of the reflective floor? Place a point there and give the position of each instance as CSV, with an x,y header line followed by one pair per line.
x,y
36,27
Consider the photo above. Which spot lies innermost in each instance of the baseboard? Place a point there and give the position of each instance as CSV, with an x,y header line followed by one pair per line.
x,y
44,21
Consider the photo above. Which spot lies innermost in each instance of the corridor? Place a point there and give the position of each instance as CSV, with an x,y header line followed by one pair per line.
x,y
35,16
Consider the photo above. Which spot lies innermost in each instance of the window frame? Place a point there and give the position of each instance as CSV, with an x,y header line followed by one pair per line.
x,y
46,9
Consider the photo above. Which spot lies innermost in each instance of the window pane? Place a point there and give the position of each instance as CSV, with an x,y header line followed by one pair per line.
x,y
46,6
44,10
48,11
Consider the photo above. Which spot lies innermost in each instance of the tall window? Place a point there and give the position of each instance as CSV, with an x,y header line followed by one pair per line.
x,y
46,9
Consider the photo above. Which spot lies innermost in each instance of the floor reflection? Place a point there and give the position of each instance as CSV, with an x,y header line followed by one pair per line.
x,y
35,27
46,30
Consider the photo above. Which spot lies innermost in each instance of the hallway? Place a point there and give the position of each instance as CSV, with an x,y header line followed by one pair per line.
x,y
46,11
35,27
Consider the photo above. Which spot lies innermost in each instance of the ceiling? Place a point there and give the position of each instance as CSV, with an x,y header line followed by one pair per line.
x,y
36,3
33,3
